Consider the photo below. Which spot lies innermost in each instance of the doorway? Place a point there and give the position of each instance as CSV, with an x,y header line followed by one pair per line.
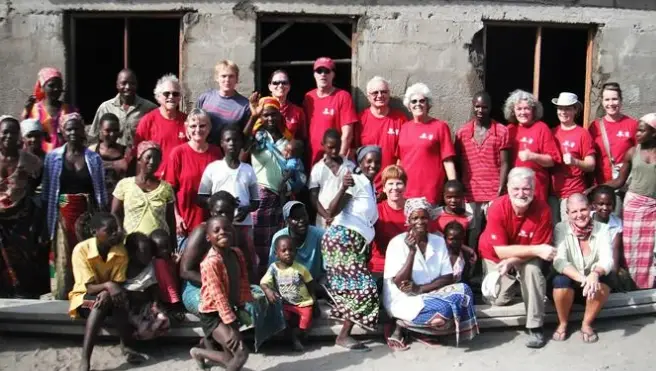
x,y
101,44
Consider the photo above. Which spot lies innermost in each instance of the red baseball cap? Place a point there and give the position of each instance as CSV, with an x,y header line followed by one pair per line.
x,y
324,62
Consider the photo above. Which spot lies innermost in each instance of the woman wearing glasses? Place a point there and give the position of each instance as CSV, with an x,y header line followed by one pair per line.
x,y
165,125
279,86
425,148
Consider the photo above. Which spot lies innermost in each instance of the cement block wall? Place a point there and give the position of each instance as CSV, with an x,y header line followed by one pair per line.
x,y
405,41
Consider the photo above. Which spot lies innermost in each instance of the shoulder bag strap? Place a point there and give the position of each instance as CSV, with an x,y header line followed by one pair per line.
x,y
604,137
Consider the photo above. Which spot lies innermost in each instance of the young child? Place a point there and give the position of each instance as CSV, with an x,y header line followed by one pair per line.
x,y
99,266
326,176
292,166
224,291
166,274
288,280
454,207
462,257
114,155
32,134
146,315
603,205
238,178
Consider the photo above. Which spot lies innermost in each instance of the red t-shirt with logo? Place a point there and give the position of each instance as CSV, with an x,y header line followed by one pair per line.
x,y
566,179
382,132
621,137
422,148
505,228
538,139
167,133
390,224
331,112
294,120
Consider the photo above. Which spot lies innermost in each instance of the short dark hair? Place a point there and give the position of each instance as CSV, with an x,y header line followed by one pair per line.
x,y
331,134
277,72
281,238
603,190
109,117
483,95
160,234
232,127
99,220
454,184
222,196
612,86
454,226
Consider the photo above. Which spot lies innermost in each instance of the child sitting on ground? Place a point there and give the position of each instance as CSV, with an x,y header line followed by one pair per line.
x,y
463,258
166,274
99,266
454,207
224,291
146,315
288,280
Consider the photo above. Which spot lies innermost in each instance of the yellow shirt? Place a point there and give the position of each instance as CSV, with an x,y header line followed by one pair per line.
x,y
89,267
291,283
144,211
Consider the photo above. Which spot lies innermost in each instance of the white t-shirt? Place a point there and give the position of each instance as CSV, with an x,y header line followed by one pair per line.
x,y
614,225
328,183
436,263
240,182
361,212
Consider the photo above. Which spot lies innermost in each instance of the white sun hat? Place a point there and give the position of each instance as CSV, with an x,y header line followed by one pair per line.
x,y
566,99
491,285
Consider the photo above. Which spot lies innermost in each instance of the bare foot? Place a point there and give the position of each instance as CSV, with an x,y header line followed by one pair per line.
x,y
133,357
351,344
200,361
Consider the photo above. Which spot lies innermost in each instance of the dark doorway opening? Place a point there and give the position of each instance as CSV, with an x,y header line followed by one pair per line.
x,y
561,65
293,44
103,45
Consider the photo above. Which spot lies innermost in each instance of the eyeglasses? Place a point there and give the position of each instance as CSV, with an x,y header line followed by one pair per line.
x,y
421,101
281,82
379,92
322,71
167,94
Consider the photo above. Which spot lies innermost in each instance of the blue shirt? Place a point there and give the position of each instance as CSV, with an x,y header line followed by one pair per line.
x,y
224,111
308,254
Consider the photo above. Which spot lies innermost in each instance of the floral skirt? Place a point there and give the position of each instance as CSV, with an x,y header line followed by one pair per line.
x,y
349,283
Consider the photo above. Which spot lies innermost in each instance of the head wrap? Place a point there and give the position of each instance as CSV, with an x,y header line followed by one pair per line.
x,y
29,125
365,150
287,209
145,146
272,102
45,74
73,116
4,117
418,203
649,119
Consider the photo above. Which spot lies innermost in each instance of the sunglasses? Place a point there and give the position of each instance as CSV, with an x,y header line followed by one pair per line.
x,y
171,93
322,71
281,82
421,101
379,92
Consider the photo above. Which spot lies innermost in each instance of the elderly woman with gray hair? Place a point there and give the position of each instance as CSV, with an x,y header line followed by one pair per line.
x,y
418,288
533,144
425,149
166,124
349,282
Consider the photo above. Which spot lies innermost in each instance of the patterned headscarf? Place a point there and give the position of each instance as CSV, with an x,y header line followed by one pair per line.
x,y
29,125
45,74
73,116
145,146
418,203
272,102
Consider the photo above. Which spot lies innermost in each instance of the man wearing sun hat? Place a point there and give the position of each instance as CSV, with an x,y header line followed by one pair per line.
x,y
328,107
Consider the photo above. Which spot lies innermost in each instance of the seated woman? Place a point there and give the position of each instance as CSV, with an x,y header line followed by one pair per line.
x,y
584,260
418,288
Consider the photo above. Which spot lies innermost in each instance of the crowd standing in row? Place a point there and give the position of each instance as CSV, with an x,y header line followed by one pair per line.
x,y
410,215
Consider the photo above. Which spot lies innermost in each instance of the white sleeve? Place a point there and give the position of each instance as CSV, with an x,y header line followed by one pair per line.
x,y
206,182
395,257
605,246
315,177
253,188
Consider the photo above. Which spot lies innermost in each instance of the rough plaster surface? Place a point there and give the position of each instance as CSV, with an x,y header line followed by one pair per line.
x,y
405,41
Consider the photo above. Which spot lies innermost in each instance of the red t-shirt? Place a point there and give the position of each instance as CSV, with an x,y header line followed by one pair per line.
x,y
382,132
481,163
422,148
167,133
331,112
504,227
621,137
390,224
294,120
538,139
444,218
184,171
565,179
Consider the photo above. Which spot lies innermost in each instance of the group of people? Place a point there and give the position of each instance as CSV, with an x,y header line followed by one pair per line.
x,y
248,210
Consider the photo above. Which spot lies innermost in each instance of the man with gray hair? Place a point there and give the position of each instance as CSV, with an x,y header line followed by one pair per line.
x,y
380,125
516,240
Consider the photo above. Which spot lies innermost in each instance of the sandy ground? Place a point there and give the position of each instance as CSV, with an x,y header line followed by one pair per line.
x,y
625,344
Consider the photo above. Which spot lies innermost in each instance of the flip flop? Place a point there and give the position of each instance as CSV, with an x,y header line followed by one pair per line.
x,y
355,346
426,340
589,337
559,336
397,345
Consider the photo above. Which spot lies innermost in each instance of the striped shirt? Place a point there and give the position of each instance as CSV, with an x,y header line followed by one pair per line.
x,y
481,163
224,111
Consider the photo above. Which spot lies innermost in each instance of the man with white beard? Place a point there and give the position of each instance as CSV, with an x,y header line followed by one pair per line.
x,y
516,240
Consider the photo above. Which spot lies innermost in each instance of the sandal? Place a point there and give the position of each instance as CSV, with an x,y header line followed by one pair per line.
x,y
559,335
589,337
397,345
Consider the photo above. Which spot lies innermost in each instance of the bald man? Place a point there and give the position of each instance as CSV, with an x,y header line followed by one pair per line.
x,y
126,105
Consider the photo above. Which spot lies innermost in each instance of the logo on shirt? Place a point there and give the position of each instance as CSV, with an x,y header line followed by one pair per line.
x,y
493,236
181,135
623,134
426,136
526,140
391,131
568,145
523,233
329,111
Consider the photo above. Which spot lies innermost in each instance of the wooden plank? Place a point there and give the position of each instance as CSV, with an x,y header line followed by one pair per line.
x,y
340,34
277,33
300,63
278,18
73,72
100,14
536,63
588,79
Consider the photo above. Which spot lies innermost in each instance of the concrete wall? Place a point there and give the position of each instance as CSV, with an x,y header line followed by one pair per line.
x,y
437,42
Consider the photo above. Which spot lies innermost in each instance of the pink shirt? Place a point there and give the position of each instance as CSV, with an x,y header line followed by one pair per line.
x,y
565,179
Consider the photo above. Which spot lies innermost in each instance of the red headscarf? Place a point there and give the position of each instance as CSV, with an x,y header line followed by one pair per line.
x,y
45,74
272,102
145,146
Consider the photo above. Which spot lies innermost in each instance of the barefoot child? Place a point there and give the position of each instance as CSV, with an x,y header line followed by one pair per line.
x,y
224,291
288,280
99,266
146,314
114,155
166,273
454,207
462,257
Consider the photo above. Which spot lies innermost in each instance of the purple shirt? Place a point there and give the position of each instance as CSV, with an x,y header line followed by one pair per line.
x,y
223,111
